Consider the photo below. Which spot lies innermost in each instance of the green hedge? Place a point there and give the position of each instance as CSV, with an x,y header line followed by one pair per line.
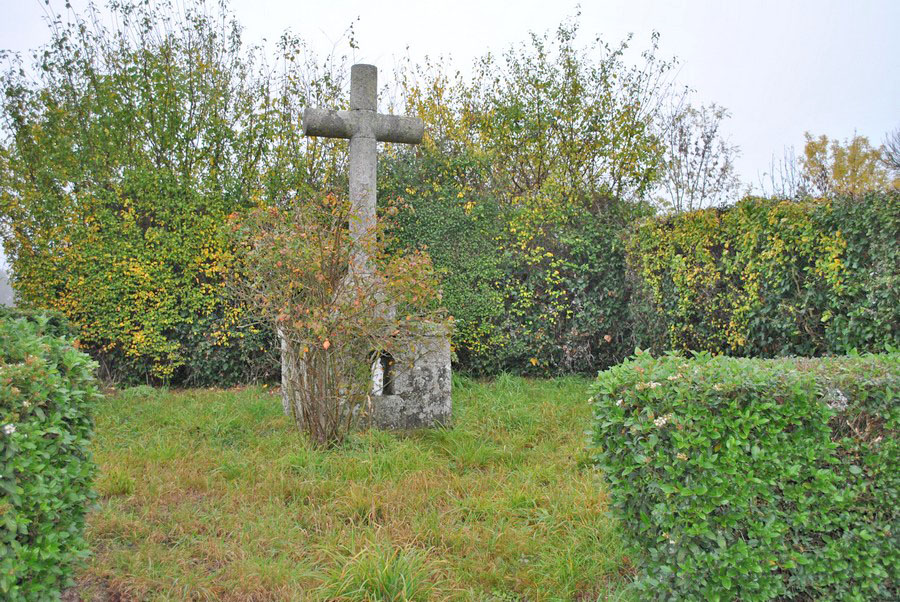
x,y
755,479
47,390
769,278
535,287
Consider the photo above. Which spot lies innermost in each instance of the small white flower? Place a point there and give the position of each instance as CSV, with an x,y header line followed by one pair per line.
x,y
619,402
653,384
662,420
9,429
26,404
836,400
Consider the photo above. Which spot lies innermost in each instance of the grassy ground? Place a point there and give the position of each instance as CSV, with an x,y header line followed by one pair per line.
x,y
213,495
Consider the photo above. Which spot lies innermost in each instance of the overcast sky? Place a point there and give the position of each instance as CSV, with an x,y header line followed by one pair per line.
x,y
782,67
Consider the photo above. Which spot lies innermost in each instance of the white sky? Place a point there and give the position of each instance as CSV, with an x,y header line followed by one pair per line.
x,y
781,67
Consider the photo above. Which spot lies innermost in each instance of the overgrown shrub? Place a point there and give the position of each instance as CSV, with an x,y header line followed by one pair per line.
x,y
755,479
767,278
339,304
47,390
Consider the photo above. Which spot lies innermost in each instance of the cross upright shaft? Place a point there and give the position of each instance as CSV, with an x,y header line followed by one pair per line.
x,y
365,128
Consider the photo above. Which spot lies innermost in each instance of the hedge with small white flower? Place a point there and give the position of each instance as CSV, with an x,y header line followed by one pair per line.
x,y
47,392
755,479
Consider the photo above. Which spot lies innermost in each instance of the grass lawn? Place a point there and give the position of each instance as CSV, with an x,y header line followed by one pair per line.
x,y
213,495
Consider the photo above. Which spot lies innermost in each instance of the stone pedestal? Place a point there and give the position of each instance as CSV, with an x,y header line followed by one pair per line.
x,y
411,391
415,388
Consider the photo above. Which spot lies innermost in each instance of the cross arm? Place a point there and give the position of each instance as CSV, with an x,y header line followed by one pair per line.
x,y
398,128
327,123
346,124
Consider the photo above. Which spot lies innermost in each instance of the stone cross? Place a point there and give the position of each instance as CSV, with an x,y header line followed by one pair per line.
x,y
365,128
418,393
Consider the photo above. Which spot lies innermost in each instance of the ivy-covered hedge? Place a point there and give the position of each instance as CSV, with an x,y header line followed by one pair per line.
x,y
767,278
47,390
755,479
121,160
536,287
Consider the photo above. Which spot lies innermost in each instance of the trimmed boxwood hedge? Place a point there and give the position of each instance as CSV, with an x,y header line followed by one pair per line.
x,y
755,479
47,391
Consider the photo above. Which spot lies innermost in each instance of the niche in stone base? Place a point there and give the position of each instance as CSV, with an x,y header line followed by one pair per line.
x,y
412,388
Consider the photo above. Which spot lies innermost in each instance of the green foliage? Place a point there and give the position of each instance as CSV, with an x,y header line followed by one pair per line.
x,y
122,161
767,278
461,233
576,121
536,288
47,392
865,315
226,354
755,479
567,296
53,323
527,176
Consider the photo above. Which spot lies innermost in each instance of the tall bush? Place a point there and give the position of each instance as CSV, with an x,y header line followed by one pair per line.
x,y
121,162
122,156
543,157
335,321
47,391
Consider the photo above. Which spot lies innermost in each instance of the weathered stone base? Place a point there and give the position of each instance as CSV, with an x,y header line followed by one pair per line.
x,y
290,379
417,388
415,392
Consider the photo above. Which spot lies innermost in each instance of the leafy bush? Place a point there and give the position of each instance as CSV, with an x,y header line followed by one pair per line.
x,y
339,303
754,479
53,323
537,288
565,283
460,233
47,390
767,278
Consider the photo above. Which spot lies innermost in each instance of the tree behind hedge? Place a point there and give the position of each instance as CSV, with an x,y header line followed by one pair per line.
x,y
126,149
528,175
